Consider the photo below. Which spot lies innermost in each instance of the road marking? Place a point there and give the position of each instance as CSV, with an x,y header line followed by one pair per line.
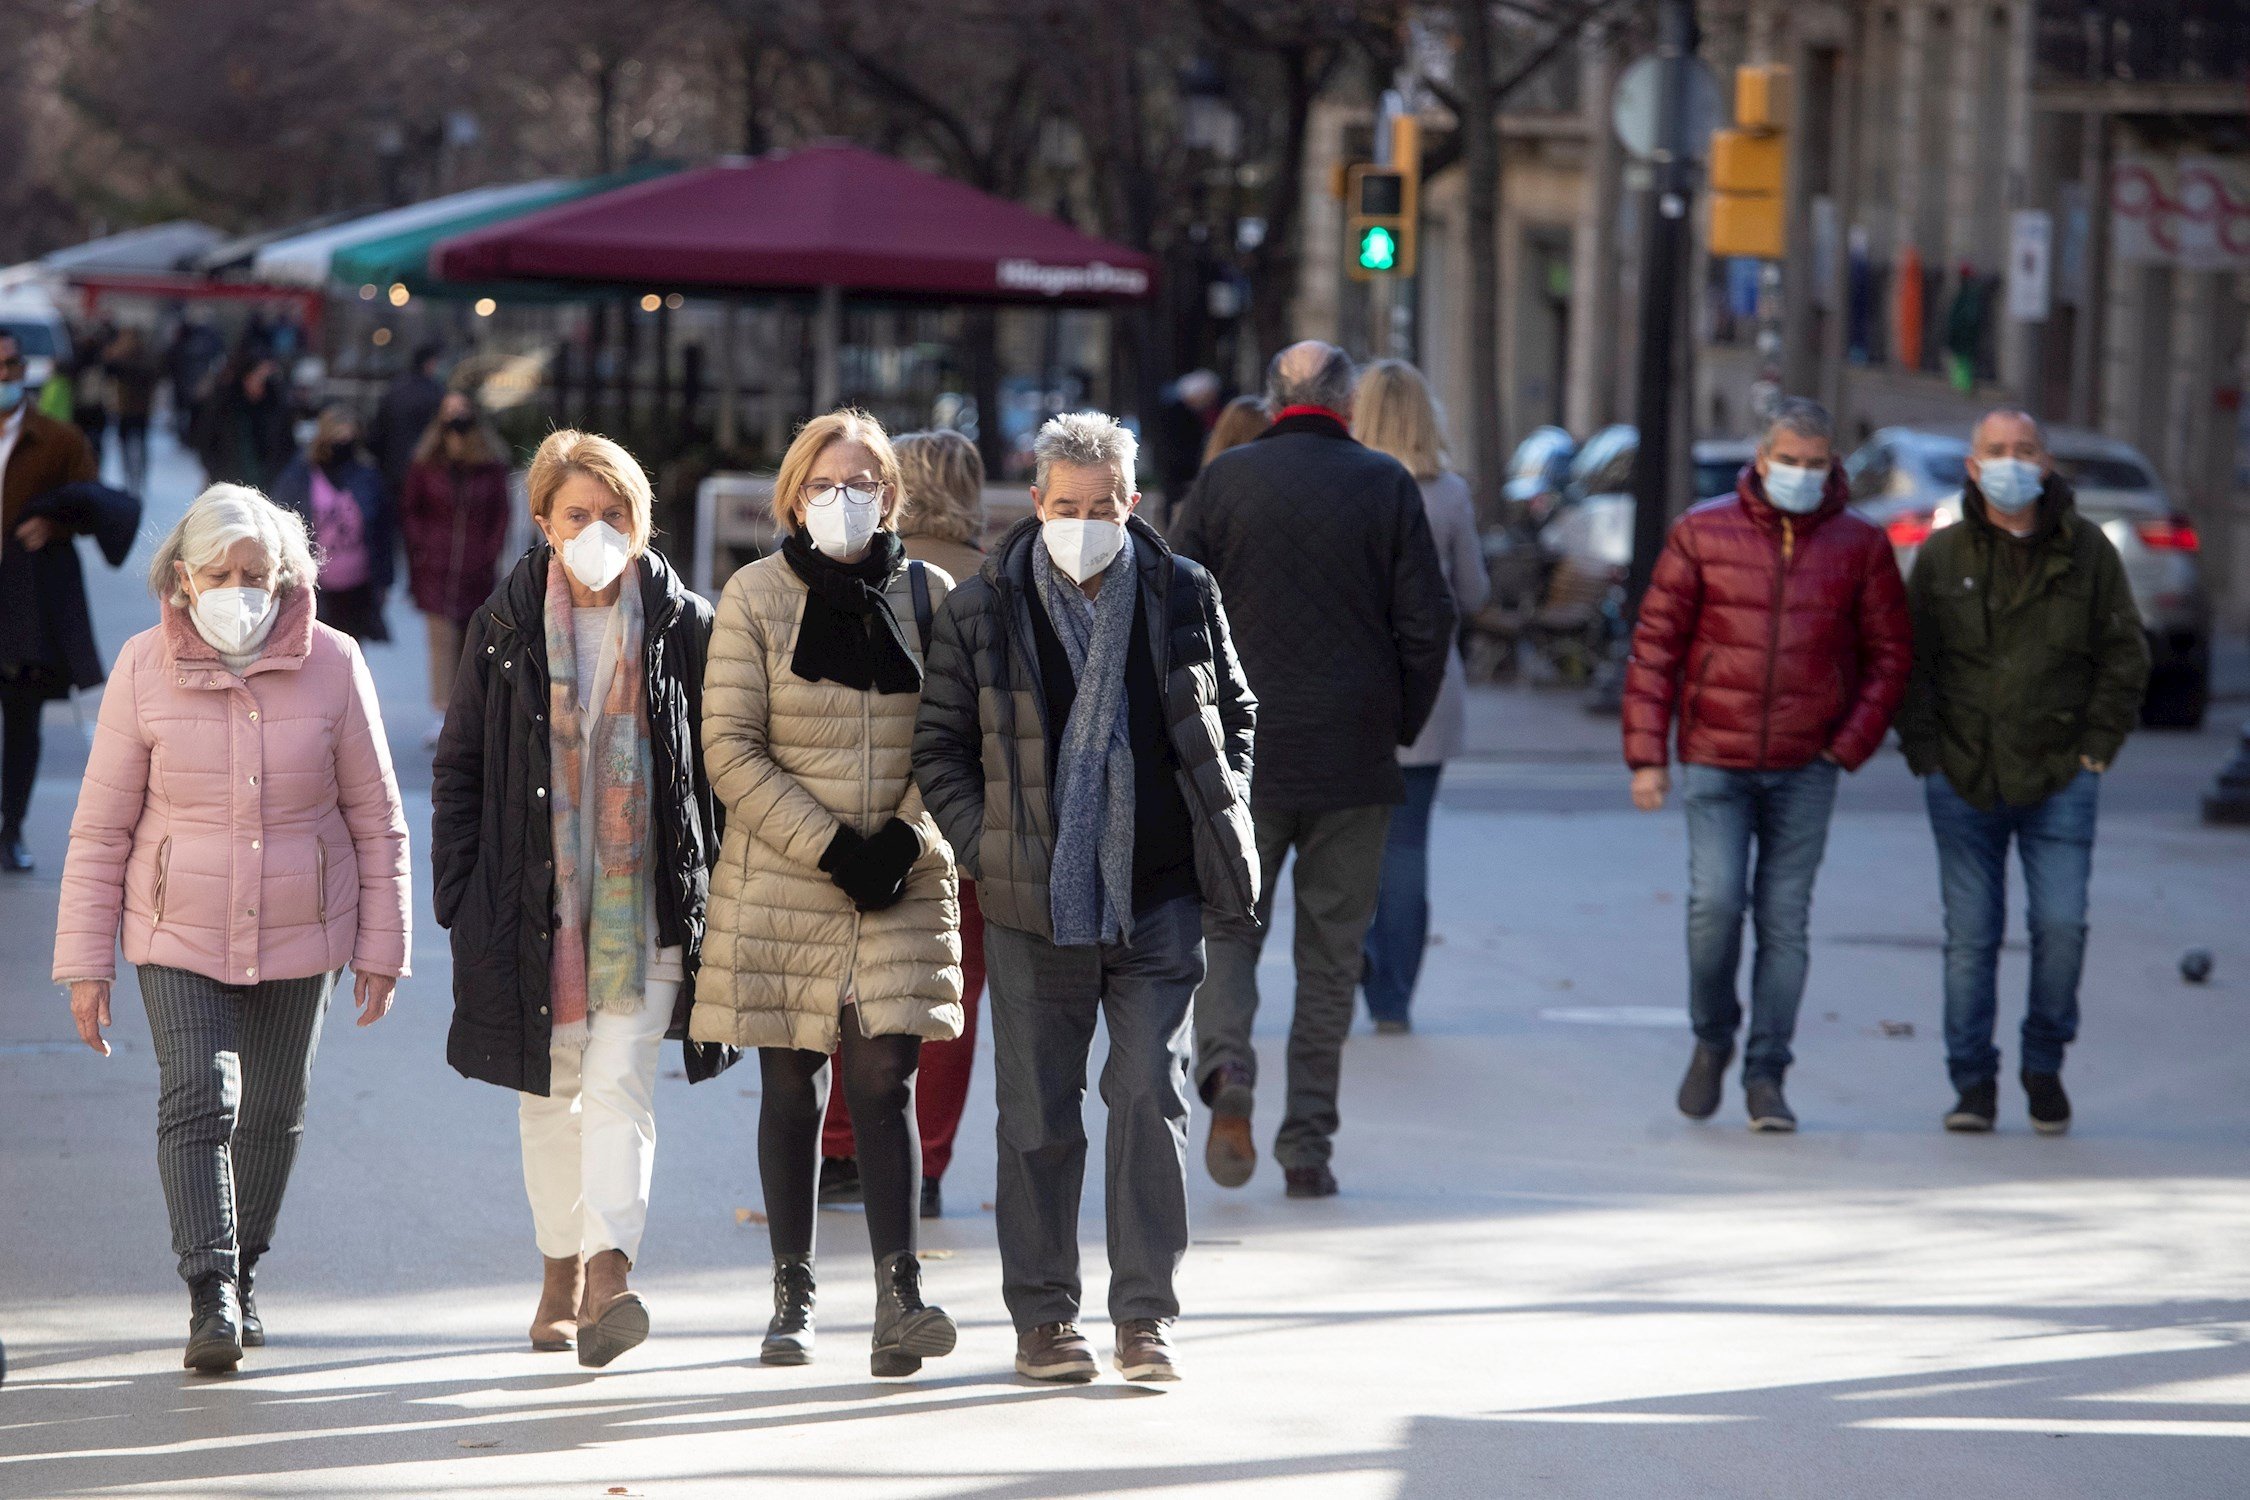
x,y
1665,1016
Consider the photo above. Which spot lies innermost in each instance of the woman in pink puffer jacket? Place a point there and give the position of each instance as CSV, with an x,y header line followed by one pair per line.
x,y
240,826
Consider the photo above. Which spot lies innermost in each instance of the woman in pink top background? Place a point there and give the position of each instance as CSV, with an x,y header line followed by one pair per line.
x,y
340,497
240,829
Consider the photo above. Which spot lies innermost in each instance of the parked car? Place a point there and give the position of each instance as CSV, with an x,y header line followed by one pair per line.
x,y
1908,481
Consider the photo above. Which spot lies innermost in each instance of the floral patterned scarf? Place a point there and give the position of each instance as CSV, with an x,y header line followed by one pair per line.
x,y
600,955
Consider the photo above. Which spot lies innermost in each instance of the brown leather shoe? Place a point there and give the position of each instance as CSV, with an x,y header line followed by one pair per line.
x,y
1144,1351
1230,1155
611,1318
554,1327
1055,1351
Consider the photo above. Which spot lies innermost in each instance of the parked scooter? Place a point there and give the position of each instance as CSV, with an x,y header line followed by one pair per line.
x,y
1493,640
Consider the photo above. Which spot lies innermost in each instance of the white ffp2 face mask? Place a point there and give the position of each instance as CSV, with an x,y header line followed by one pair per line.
x,y
844,525
597,555
1082,549
230,619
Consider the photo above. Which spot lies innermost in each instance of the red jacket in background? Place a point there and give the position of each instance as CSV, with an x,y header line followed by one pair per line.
x,y
456,520
1774,637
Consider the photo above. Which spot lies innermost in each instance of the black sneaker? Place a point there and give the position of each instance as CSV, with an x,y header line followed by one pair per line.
x,y
1974,1112
839,1179
1769,1112
2050,1106
933,1199
1706,1070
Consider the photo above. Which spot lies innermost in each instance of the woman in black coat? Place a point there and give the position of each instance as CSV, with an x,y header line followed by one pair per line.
x,y
529,887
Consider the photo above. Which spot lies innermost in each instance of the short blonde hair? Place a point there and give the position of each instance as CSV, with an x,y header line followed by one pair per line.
x,y
218,518
1393,412
566,452
944,477
846,423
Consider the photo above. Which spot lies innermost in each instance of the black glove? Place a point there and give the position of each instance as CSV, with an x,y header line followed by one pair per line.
x,y
874,874
840,851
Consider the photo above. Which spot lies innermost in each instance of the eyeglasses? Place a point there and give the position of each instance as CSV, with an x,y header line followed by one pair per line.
x,y
859,493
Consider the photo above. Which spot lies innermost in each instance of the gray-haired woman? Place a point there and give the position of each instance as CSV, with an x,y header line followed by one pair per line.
x,y
240,827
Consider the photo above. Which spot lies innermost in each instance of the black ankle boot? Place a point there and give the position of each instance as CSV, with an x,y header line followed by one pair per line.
x,y
214,1344
253,1328
907,1331
789,1337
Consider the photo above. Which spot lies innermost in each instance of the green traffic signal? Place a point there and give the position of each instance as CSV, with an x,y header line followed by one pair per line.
x,y
1378,248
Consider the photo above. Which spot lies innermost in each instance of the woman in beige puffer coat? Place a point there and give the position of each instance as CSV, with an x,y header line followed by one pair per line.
x,y
835,913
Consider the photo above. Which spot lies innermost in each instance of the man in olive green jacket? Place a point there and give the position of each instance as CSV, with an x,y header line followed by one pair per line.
x,y
2029,665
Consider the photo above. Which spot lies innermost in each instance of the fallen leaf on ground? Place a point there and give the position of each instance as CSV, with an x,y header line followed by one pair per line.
x,y
748,1216
986,1207
937,1254
477,1443
1896,1028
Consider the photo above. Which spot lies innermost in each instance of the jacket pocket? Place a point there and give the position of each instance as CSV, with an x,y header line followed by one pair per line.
x,y
320,862
163,879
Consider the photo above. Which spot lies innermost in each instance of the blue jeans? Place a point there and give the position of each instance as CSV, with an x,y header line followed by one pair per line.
x,y
2055,841
1401,929
1785,815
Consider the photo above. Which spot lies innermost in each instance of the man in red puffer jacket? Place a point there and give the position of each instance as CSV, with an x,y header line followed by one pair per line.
x,y
1775,630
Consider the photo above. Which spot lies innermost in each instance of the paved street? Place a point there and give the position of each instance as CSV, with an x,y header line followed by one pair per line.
x,y
1538,1282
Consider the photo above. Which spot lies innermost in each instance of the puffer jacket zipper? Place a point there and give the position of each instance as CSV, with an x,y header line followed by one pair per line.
x,y
321,862
1773,638
163,878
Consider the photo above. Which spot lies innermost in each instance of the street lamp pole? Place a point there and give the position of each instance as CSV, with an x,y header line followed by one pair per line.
x,y
1664,245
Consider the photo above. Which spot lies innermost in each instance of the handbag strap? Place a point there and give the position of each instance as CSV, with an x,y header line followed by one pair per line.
x,y
918,579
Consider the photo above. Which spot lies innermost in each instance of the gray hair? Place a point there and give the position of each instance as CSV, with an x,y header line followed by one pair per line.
x,y
1329,383
1795,414
221,516
1086,440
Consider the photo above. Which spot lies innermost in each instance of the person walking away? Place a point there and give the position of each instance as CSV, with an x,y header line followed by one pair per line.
x,y
1240,421
2029,667
942,525
244,432
240,828
192,358
341,499
38,455
1774,633
1183,426
454,511
91,390
835,917
404,414
572,833
1393,412
1085,743
1321,547
133,375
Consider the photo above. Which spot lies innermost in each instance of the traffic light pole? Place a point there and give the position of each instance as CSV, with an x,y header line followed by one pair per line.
x,y
1664,245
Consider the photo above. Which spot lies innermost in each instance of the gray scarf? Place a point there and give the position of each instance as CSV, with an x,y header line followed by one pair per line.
x,y
1090,883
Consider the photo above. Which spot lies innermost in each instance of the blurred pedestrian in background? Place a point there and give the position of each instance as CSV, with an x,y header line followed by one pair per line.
x,y
244,431
454,512
192,358
133,375
1322,551
2029,666
340,497
1775,634
90,386
1183,425
835,917
1241,420
239,823
1085,744
38,456
404,414
943,526
1393,412
572,834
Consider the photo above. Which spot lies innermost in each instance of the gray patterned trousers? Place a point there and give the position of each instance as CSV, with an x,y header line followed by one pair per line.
x,y
234,1061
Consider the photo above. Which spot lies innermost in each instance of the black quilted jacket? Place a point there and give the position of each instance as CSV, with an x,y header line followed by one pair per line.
x,y
1339,604
980,744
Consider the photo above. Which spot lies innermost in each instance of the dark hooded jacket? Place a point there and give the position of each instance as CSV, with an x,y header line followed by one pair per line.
x,y
981,743
2028,653
492,832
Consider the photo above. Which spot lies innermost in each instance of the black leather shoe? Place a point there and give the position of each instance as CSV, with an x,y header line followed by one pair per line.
x,y
1309,1182
839,1179
789,1337
1974,1111
2050,1106
933,1199
1706,1072
214,1344
907,1331
253,1327
14,857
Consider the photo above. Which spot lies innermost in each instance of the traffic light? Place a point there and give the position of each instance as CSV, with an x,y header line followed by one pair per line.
x,y
1380,241
1750,168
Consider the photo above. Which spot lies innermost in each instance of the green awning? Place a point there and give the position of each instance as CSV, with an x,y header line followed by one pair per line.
x,y
405,256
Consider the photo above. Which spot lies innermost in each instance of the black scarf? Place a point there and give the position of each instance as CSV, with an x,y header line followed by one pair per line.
x,y
848,634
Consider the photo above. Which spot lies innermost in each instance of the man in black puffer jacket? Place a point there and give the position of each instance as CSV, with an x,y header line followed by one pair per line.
x,y
1015,700
1323,550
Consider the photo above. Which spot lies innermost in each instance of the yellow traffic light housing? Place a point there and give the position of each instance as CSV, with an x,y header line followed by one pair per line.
x,y
1380,230
1750,169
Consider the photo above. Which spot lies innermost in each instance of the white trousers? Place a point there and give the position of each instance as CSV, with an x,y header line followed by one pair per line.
x,y
589,1146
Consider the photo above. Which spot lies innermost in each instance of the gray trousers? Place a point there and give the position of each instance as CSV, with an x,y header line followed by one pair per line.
x,y
234,1061
1044,1001
1339,870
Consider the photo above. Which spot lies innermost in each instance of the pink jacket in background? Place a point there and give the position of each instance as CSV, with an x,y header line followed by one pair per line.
x,y
244,828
